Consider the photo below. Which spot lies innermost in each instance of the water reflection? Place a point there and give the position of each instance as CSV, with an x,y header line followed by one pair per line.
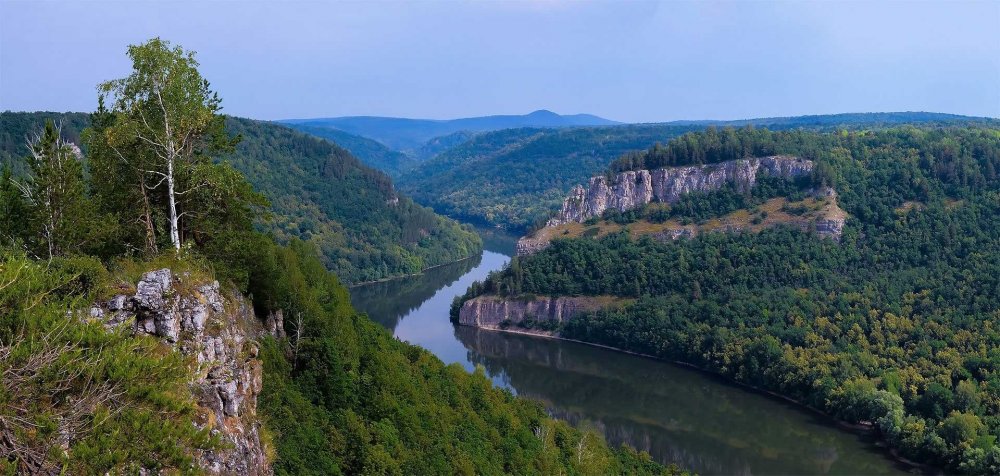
x,y
387,302
676,414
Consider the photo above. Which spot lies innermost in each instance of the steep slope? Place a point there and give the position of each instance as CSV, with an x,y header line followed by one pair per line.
x,y
364,230
893,328
318,192
371,152
409,134
670,202
218,334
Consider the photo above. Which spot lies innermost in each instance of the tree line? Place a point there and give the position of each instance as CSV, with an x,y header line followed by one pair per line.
x,y
895,326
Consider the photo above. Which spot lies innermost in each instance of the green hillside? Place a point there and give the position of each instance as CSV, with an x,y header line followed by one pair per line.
x,y
406,134
895,326
371,152
177,374
318,193
512,178
365,231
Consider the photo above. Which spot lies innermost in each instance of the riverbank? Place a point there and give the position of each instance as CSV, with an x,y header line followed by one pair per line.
x,y
857,428
413,275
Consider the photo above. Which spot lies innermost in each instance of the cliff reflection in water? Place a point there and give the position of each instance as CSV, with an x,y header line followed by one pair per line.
x,y
676,414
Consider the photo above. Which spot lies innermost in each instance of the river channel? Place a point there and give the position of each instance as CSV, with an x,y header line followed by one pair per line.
x,y
679,415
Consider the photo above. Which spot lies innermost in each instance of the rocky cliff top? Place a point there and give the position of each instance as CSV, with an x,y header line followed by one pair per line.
x,y
635,188
219,335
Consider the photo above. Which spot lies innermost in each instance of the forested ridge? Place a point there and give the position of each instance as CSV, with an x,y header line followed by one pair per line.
x,y
318,192
515,178
369,151
894,326
340,394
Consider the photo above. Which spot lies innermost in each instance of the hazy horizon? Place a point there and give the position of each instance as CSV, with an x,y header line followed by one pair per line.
x,y
635,62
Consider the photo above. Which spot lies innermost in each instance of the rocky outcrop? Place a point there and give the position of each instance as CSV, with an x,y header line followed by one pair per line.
x,y
634,189
527,245
194,318
491,311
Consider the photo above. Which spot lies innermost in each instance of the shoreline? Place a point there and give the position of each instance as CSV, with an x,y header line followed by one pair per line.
x,y
412,275
863,428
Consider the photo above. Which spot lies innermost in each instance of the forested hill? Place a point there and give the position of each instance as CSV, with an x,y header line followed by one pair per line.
x,y
147,327
896,326
846,120
409,134
512,178
369,151
319,193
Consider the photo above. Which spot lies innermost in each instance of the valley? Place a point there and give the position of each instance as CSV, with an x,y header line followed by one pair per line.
x,y
679,415
331,239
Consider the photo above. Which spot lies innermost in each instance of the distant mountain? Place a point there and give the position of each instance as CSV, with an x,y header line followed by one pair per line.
x,y
848,119
371,152
409,134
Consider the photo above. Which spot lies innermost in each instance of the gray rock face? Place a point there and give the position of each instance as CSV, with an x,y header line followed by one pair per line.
x,y
489,311
527,245
633,189
194,318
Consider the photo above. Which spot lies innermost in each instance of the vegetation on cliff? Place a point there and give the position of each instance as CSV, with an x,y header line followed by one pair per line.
x,y
340,394
896,326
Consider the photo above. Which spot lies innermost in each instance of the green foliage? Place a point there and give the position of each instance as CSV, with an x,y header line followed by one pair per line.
x,y
896,325
372,153
119,402
515,178
348,398
166,126
57,216
340,395
319,193
17,127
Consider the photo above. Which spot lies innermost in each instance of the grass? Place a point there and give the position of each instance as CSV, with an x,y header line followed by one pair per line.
x,y
776,211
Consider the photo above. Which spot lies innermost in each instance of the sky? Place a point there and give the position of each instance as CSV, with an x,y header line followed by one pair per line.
x,y
627,61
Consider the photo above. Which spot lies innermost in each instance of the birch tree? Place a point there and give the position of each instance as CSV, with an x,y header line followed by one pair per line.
x,y
166,107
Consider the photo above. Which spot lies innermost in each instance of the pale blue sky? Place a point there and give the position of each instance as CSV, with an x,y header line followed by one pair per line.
x,y
629,61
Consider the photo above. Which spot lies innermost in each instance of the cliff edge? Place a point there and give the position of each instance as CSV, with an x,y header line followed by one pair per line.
x,y
217,336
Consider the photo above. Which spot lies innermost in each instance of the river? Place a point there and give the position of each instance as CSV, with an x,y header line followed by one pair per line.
x,y
677,414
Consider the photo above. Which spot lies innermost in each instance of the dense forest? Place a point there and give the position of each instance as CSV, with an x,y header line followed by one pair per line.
x,y
317,191
515,177
371,152
895,326
365,231
340,394
410,135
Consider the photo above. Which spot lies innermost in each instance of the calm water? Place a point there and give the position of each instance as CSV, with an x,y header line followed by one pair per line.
x,y
676,414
